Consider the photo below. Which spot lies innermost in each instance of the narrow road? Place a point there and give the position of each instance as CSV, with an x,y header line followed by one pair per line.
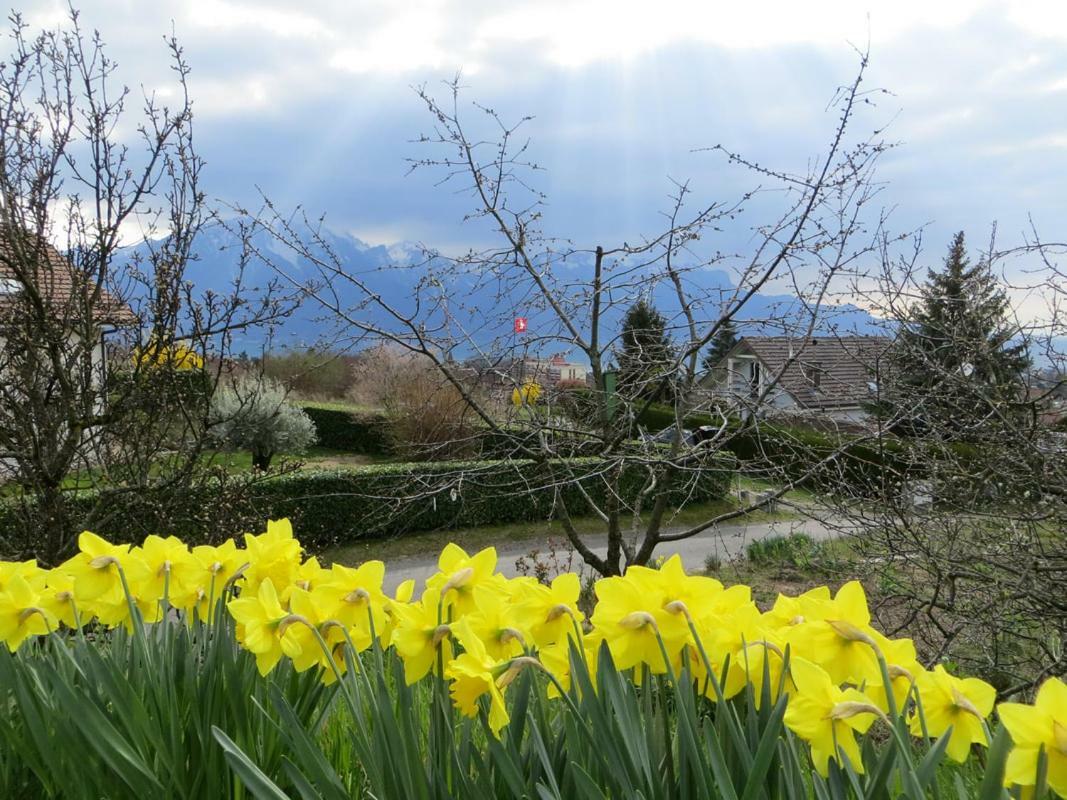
x,y
725,541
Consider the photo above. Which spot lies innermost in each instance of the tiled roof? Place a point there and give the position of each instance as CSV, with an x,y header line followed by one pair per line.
x,y
825,371
56,279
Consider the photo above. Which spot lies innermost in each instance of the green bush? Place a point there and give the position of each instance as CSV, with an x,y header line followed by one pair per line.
x,y
332,507
658,416
354,432
337,506
867,467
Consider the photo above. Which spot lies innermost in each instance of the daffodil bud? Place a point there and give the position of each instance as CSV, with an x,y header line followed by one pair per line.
x,y
511,669
677,607
899,672
103,562
458,580
357,596
292,619
558,611
853,633
637,619
441,632
961,702
852,708
26,613
510,634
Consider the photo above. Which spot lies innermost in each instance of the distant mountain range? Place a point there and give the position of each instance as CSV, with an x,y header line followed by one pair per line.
x,y
486,307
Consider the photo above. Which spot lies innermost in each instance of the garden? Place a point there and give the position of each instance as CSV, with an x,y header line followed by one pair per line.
x,y
252,671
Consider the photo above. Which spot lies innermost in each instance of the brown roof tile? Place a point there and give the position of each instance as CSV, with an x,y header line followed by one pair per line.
x,y
844,365
57,279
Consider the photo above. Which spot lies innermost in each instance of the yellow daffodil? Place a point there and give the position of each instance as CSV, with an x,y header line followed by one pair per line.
x,y
724,624
903,667
213,570
274,556
259,618
460,573
827,717
813,604
961,704
632,617
550,613
306,616
475,673
57,598
354,598
501,630
762,657
842,642
420,638
401,597
22,613
28,570
95,569
170,569
1042,726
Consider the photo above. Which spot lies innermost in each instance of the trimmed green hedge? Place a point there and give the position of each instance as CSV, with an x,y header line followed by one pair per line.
x,y
338,429
332,507
658,416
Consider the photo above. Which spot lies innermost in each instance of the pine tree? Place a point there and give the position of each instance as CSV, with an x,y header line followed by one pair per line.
x,y
956,367
647,355
722,343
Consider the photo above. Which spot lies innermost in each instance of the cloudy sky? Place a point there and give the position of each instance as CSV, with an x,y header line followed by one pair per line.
x,y
312,101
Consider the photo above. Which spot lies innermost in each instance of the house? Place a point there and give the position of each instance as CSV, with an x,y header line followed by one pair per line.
x,y
827,377
64,293
551,371
504,375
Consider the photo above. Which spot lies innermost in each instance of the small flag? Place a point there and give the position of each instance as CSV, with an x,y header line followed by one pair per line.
x,y
520,324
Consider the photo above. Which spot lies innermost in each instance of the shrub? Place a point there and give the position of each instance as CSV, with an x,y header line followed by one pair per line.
x,y
337,506
429,415
311,373
254,415
658,416
354,432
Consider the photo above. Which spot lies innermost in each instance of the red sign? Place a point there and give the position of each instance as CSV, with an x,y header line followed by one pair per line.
x,y
520,324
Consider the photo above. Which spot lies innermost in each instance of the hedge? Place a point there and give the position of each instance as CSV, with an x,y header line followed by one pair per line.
x,y
354,432
656,417
332,507
856,465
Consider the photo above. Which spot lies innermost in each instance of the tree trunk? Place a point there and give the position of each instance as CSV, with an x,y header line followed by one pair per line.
x,y
261,459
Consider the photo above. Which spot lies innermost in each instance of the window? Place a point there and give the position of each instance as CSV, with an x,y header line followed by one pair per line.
x,y
813,371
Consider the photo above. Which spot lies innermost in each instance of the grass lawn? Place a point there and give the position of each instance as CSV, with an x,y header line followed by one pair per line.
x,y
336,405
471,539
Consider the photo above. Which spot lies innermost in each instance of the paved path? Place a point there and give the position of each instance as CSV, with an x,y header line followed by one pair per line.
x,y
726,541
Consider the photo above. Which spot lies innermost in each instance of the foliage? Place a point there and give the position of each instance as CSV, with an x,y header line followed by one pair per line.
x,y
339,506
675,686
341,429
526,395
955,367
311,373
177,355
723,342
254,414
646,359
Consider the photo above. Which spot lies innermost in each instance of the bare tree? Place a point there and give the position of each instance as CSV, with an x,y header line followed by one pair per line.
x,y
965,535
460,315
108,360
